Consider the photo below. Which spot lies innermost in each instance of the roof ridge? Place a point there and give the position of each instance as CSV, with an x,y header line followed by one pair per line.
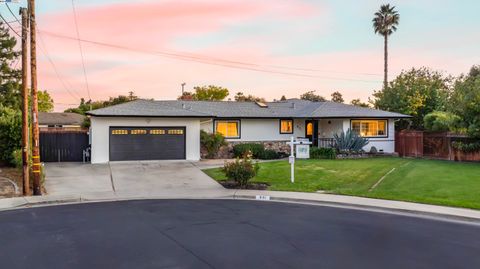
x,y
189,109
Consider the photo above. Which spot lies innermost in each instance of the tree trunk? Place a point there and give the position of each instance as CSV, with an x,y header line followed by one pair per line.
x,y
385,69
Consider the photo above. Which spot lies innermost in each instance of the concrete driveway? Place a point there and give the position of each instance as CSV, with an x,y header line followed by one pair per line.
x,y
138,177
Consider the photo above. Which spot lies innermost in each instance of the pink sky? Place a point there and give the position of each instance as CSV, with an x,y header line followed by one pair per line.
x,y
264,34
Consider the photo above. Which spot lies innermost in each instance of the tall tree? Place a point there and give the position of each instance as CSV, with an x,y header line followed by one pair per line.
x,y
337,97
210,93
416,92
205,93
385,22
465,101
240,97
45,102
283,98
357,102
311,96
10,78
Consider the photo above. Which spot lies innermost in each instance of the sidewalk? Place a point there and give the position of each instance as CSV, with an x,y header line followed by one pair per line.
x,y
359,203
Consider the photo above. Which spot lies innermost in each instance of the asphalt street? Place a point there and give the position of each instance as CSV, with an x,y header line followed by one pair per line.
x,y
229,234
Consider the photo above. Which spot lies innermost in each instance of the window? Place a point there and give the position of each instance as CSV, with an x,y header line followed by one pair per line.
x,y
157,132
309,128
228,128
370,128
138,132
175,132
119,132
286,126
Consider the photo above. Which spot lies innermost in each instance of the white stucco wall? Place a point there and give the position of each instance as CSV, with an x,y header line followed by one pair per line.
x,y
387,144
261,129
99,132
328,127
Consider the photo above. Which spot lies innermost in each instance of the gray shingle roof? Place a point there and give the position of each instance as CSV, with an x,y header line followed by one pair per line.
x,y
293,108
46,118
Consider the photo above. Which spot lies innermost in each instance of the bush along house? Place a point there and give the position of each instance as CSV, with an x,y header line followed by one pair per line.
x,y
170,130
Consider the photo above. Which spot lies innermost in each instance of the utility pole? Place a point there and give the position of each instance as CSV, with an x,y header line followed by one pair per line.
x,y
183,87
36,169
25,129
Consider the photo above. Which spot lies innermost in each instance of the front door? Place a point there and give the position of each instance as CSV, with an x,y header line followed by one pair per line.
x,y
311,131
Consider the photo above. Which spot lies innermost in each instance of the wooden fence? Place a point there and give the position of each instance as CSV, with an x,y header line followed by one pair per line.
x,y
432,145
63,145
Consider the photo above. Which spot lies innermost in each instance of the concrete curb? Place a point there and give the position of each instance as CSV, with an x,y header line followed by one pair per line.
x,y
350,202
408,212
377,205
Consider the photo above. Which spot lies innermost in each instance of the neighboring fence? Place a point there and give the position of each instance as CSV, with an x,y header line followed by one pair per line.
x,y
432,145
61,145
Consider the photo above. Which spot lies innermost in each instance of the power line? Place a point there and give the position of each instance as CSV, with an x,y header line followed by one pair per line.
x,y
81,50
13,14
44,50
9,26
200,60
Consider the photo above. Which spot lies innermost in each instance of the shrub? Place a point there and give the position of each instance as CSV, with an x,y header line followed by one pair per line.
x,y
240,150
269,154
212,142
241,170
17,159
10,133
440,121
349,142
466,147
323,153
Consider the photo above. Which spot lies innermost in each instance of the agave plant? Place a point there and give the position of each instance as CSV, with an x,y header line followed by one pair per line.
x,y
349,141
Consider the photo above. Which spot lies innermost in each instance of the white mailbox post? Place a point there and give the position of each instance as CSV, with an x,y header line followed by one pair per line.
x,y
303,152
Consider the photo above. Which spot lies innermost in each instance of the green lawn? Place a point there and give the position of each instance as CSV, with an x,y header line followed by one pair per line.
x,y
425,181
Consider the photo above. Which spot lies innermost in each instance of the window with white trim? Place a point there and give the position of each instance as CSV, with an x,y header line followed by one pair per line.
x,y
370,128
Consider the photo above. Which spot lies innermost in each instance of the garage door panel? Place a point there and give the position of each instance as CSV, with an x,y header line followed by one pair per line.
x,y
147,143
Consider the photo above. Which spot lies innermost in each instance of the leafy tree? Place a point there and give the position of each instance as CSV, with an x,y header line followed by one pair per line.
x,y
45,102
240,97
440,121
385,23
205,93
210,93
311,96
416,92
283,98
10,78
10,132
186,96
337,97
357,102
465,100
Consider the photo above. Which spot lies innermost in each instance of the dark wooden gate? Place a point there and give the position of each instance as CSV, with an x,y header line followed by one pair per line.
x,y
58,145
409,143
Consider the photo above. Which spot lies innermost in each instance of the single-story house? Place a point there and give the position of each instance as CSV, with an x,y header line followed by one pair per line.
x,y
156,130
60,120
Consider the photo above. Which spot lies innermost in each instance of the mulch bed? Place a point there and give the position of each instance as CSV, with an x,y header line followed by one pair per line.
x,y
251,186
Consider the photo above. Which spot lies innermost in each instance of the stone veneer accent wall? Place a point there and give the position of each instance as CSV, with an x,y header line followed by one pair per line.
x,y
226,152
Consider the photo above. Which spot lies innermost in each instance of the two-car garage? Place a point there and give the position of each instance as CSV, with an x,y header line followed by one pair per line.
x,y
144,138
147,143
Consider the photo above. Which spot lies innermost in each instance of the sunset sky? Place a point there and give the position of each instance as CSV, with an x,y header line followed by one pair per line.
x,y
267,48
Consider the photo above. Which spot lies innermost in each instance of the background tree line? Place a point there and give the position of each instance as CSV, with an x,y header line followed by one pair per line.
x,y
436,101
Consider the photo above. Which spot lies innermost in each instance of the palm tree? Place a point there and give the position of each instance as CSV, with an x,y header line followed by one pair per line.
x,y
385,23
